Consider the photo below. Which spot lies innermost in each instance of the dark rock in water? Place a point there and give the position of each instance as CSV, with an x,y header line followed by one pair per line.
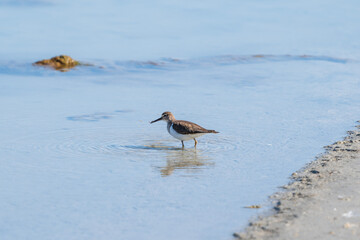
x,y
61,63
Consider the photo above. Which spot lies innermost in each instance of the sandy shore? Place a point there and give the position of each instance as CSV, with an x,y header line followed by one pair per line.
x,y
321,202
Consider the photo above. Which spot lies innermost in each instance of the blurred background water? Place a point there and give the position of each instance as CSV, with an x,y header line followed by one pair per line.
x,y
79,159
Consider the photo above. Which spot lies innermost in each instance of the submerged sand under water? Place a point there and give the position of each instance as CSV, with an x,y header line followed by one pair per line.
x,y
81,160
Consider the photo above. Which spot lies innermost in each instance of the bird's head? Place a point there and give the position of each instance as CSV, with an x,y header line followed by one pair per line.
x,y
166,116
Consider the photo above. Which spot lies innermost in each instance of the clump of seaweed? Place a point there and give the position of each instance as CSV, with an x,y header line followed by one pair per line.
x,y
61,63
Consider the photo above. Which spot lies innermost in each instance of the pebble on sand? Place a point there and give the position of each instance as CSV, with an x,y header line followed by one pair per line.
x,y
253,206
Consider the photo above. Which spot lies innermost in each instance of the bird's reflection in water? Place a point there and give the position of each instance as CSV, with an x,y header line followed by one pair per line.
x,y
189,161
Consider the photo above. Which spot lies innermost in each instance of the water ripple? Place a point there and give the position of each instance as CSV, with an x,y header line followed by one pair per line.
x,y
105,141
121,67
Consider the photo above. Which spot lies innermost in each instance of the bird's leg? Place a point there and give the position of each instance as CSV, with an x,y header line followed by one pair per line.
x,y
182,142
195,142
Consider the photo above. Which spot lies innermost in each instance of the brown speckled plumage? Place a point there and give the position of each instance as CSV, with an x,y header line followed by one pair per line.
x,y
185,127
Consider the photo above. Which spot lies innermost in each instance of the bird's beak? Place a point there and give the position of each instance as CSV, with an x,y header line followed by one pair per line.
x,y
156,120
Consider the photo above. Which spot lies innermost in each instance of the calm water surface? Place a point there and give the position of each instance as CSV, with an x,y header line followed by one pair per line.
x,y
79,159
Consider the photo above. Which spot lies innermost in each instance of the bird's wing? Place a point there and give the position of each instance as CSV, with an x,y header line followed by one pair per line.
x,y
185,127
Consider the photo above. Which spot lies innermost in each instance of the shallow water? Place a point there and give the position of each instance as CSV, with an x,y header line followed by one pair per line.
x,y
80,159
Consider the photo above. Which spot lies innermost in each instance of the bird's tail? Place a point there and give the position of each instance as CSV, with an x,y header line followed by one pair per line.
x,y
212,131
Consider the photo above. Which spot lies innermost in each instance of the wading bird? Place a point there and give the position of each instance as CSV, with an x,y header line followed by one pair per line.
x,y
183,130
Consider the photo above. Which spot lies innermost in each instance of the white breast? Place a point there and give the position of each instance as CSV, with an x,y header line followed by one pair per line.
x,y
183,137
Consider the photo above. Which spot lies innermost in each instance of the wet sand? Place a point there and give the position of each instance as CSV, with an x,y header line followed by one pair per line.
x,y
321,202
